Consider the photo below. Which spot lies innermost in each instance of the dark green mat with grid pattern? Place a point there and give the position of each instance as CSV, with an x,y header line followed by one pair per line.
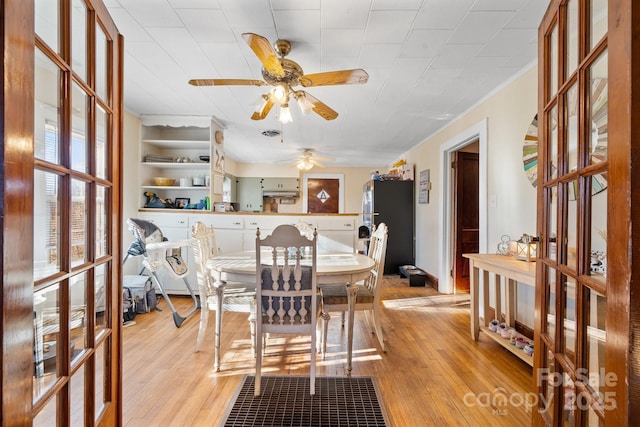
x,y
285,401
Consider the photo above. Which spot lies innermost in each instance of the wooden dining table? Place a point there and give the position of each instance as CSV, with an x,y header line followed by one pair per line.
x,y
331,268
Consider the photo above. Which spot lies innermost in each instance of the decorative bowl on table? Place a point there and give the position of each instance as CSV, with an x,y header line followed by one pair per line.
x,y
163,182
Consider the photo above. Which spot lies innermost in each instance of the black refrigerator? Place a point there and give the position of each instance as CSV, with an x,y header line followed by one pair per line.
x,y
391,202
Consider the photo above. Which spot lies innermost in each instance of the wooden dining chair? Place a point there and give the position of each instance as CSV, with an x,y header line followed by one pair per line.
x,y
335,298
216,294
286,291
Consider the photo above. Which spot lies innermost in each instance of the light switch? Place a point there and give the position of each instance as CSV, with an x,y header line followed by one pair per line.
x,y
493,201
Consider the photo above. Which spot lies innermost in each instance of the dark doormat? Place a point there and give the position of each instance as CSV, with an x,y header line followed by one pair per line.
x,y
285,401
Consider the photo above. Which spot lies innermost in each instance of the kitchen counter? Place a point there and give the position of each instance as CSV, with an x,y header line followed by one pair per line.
x,y
202,212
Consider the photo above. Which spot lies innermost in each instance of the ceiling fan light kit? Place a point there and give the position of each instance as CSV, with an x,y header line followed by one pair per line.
x,y
285,114
309,160
304,165
280,94
305,105
284,74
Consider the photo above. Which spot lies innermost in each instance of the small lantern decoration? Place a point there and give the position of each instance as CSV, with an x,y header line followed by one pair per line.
x,y
527,248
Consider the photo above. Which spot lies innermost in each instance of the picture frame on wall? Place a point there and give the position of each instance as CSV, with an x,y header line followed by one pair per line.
x,y
218,159
218,184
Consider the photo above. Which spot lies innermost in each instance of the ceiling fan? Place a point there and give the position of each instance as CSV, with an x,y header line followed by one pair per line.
x,y
308,160
284,75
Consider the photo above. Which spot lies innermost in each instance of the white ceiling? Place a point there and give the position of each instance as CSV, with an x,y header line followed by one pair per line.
x,y
428,62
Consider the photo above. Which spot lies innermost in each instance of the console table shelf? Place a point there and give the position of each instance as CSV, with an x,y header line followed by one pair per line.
x,y
513,271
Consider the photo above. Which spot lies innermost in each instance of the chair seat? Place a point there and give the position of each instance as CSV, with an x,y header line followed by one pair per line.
x,y
235,300
337,294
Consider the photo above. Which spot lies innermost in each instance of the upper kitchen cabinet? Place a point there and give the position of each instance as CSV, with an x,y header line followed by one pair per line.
x,y
250,194
178,150
280,184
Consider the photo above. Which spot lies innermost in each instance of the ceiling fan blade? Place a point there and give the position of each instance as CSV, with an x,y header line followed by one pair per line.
x,y
316,163
226,82
343,77
310,153
321,109
265,53
327,159
260,115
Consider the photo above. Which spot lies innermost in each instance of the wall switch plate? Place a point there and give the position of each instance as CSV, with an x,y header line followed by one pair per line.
x,y
493,201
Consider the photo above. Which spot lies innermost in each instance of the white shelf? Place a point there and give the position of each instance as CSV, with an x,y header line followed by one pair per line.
x,y
173,187
169,165
181,144
171,138
506,344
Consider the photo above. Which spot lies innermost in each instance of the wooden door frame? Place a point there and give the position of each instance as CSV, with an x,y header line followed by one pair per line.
x,y
17,210
477,132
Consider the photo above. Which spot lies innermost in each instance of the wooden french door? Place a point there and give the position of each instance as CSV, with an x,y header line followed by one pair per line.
x,y
62,250
583,372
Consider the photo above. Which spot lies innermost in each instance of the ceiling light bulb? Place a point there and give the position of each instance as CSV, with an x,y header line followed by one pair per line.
x,y
305,105
304,165
285,114
279,93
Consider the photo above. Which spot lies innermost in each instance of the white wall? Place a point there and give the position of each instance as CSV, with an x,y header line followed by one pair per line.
x,y
508,113
130,181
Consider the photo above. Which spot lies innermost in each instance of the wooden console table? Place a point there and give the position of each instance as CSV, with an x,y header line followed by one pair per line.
x,y
514,271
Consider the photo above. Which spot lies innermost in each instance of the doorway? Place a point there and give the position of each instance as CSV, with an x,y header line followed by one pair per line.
x,y
475,134
465,213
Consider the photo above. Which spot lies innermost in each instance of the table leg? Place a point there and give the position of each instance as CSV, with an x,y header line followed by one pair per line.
x,y
475,319
498,297
485,298
510,303
352,291
220,285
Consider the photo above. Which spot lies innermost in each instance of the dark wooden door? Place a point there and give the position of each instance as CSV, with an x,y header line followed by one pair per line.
x,y
466,216
323,195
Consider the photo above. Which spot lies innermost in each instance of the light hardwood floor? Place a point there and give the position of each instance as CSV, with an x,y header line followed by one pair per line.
x,y
432,374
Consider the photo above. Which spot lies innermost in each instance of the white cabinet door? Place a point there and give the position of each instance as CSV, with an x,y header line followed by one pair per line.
x,y
280,184
266,223
250,194
336,233
228,228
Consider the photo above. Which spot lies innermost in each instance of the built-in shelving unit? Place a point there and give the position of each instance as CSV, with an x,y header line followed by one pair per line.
x,y
176,148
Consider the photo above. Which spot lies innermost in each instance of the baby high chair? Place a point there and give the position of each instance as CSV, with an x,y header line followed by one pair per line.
x,y
159,253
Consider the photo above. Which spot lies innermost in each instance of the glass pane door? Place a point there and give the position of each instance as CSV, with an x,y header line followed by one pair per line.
x,y
75,155
572,275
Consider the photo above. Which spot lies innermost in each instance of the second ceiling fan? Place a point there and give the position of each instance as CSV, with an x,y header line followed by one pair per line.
x,y
284,75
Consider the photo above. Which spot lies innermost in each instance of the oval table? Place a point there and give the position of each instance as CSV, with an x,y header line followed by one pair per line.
x,y
331,268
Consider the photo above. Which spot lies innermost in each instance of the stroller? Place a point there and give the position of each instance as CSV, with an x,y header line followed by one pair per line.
x,y
158,253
